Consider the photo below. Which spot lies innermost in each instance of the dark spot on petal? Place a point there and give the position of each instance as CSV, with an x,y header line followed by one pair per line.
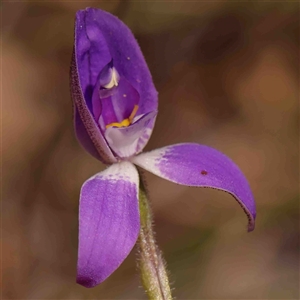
x,y
203,172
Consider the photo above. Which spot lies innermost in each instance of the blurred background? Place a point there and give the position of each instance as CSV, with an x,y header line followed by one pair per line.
x,y
227,74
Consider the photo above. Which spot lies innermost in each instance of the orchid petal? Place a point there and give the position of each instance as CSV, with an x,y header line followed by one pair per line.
x,y
103,41
202,166
83,136
108,222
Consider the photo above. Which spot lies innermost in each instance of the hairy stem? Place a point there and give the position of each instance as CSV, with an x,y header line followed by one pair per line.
x,y
152,266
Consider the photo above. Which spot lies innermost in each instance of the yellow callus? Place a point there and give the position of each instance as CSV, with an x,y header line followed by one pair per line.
x,y
125,122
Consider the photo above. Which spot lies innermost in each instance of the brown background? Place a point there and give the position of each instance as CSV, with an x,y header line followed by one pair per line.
x,y
227,75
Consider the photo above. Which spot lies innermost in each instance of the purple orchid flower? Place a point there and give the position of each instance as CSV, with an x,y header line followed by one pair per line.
x,y
115,107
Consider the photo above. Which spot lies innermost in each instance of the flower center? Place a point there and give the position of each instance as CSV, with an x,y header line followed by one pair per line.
x,y
115,101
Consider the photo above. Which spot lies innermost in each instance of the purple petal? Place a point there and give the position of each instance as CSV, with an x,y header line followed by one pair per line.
x,y
126,141
102,40
108,222
202,166
83,137
87,131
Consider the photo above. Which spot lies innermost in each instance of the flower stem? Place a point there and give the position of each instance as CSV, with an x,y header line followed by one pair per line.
x,y
150,261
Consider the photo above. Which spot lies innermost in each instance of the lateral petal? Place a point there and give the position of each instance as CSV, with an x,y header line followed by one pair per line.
x,y
202,166
109,222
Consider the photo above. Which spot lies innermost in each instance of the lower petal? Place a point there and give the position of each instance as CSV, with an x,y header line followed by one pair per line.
x,y
108,222
127,141
202,166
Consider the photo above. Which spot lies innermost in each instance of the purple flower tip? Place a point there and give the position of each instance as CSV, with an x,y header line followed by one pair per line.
x,y
86,282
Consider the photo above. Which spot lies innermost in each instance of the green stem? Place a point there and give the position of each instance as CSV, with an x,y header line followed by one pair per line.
x,y
152,266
